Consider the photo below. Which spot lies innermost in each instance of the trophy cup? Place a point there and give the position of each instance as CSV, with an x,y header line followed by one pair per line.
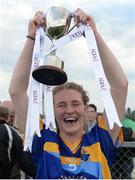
x,y
58,23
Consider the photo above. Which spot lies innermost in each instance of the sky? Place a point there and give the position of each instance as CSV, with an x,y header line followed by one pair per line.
x,y
115,20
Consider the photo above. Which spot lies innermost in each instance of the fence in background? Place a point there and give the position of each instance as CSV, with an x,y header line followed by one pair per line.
x,y
123,165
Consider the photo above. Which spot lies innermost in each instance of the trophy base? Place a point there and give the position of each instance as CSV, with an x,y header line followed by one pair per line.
x,y
49,75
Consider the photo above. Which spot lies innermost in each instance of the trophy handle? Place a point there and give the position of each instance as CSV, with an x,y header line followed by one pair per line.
x,y
71,16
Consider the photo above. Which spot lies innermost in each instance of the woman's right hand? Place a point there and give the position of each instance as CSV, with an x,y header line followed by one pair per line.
x,y
37,21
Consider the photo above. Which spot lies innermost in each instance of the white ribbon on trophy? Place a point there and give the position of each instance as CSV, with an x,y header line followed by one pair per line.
x,y
48,108
101,79
102,82
32,123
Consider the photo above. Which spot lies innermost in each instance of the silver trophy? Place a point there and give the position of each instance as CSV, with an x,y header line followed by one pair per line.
x,y
59,21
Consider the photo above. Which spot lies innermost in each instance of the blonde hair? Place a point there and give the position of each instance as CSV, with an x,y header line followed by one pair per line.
x,y
74,86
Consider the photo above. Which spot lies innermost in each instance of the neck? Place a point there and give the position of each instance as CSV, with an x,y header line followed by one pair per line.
x,y
72,138
91,121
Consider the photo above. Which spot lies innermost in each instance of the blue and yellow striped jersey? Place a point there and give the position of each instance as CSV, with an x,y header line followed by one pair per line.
x,y
89,158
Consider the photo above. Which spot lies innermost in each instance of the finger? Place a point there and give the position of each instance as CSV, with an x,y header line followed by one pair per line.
x,y
39,12
84,19
81,16
39,18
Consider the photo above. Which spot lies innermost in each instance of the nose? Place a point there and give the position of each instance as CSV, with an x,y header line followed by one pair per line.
x,y
69,109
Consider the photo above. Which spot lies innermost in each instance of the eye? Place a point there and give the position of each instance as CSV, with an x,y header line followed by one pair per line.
x,y
61,105
76,104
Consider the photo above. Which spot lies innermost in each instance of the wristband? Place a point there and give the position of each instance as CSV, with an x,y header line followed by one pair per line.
x,y
32,38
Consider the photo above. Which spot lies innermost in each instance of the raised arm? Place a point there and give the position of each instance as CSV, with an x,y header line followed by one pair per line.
x,y
113,71
20,78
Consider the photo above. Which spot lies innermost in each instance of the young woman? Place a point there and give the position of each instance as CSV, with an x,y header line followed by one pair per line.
x,y
71,153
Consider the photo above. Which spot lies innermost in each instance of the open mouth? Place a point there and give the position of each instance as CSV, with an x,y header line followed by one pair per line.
x,y
70,120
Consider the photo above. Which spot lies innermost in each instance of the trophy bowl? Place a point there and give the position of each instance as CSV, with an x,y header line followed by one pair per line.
x,y
58,23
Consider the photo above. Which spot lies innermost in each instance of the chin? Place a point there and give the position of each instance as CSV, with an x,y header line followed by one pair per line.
x,y
72,131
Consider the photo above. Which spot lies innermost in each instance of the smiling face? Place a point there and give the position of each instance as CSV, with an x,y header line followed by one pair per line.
x,y
69,112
